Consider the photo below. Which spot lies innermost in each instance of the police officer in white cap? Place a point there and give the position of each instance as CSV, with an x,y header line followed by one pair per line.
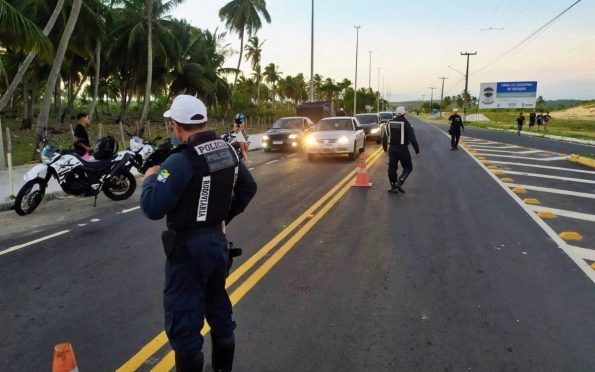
x,y
200,188
398,134
342,112
456,124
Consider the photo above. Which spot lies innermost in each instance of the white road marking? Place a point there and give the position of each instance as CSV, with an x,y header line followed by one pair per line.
x,y
526,158
289,156
512,152
552,191
494,147
581,263
250,169
16,247
82,224
271,162
583,253
95,220
130,210
543,167
551,177
563,213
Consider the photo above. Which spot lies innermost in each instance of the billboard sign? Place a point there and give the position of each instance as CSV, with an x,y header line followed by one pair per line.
x,y
516,94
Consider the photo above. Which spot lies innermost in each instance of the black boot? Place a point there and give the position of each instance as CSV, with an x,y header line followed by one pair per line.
x,y
393,188
399,186
189,362
223,352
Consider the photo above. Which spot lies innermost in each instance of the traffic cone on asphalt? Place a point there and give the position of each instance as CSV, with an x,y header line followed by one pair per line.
x,y
362,173
64,359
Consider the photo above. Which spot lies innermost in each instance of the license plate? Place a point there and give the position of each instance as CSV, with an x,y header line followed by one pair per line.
x,y
328,147
277,142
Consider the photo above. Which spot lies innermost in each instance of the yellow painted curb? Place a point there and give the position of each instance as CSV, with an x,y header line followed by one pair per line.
x,y
563,154
497,173
593,266
481,158
582,160
548,152
546,215
519,190
507,180
521,147
486,162
492,167
571,235
531,201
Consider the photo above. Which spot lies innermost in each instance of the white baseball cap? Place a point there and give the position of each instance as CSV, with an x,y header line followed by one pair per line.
x,y
455,110
341,109
187,109
400,110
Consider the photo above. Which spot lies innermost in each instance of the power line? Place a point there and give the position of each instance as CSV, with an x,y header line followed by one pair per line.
x,y
493,14
519,13
545,26
503,14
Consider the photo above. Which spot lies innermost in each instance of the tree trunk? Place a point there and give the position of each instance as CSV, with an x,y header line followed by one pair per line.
x,y
58,98
235,80
73,96
23,68
145,113
96,88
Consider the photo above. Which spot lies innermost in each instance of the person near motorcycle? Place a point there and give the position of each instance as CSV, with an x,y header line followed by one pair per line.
x,y
80,137
241,136
195,243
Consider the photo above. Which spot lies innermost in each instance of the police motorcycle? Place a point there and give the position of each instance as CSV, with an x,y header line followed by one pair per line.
x,y
76,176
144,150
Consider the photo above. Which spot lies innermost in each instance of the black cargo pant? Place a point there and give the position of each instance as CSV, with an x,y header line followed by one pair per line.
x,y
396,154
455,137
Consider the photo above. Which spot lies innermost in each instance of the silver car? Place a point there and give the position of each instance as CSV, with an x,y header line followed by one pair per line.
x,y
340,135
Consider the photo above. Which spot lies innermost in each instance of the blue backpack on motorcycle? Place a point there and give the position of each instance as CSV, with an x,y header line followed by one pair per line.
x,y
105,148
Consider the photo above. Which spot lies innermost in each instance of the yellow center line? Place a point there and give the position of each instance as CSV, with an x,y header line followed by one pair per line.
x,y
161,339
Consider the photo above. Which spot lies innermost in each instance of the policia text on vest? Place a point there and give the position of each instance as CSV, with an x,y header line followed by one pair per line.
x,y
201,186
397,136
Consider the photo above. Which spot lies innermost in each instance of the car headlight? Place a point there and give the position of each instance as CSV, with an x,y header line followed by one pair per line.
x,y
265,137
293,136
310,140
343,140
375,130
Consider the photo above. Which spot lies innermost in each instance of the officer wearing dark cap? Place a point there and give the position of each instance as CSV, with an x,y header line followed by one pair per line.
x,y
398,134
201,187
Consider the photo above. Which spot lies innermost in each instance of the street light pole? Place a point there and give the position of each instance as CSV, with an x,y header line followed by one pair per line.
x,y
383,94
378,93
422,100
432,100
370,75
442,95
466,84
356,53
312,58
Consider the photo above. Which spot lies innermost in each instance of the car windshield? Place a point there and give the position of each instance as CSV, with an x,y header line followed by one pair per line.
x,y
386,115
288,124
367,119
333,124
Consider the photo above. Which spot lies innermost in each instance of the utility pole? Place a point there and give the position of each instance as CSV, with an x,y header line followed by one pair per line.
x,y
432,100
383,94
378,94
312,58
442,95
466,85
355,90
422,100
370,77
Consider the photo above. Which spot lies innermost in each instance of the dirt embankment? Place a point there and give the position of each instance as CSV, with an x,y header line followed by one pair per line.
x,y
583,112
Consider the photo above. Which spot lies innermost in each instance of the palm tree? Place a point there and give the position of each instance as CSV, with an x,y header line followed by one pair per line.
x,y
540,102
243,16
272,75
317,84
446,102
254,54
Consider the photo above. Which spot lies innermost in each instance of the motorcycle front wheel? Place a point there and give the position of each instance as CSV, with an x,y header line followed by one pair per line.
x,y
30,196
120,187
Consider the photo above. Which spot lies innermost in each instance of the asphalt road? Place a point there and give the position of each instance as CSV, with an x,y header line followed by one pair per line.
x,y
456,274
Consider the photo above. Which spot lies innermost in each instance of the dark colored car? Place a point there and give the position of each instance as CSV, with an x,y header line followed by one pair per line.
x,y
287,133
372,126
385,117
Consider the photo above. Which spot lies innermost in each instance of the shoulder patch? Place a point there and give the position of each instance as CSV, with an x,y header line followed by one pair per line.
x,y
163,176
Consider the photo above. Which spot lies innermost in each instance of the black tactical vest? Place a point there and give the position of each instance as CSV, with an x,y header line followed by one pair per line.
x,y
457,121
397,133
207,198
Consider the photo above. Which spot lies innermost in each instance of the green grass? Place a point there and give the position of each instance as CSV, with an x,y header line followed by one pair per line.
x,y
23,141
590,156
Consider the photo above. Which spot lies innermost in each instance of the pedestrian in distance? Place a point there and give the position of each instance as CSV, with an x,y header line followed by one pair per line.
x,y
539,121
398,134
242,137
456,124
199,188
342,112
546,120
532,117
80,137
520,120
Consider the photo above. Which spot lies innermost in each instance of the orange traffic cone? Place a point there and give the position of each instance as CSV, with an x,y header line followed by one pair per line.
x,y
64,359
362,173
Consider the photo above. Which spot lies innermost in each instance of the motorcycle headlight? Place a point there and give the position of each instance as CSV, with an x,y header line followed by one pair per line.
x,y
293,136
343,140
265,137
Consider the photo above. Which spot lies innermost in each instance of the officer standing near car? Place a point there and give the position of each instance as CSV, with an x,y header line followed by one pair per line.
x,y
201,187
398,134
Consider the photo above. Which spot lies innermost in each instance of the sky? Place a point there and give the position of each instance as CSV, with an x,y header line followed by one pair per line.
x,y
414,42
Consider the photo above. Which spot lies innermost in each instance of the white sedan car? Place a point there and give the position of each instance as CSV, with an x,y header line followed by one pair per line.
x,y
340,135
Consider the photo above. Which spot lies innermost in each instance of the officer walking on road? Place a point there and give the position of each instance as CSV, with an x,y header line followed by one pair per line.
x,y
201,187
398,133
342,112
456,123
